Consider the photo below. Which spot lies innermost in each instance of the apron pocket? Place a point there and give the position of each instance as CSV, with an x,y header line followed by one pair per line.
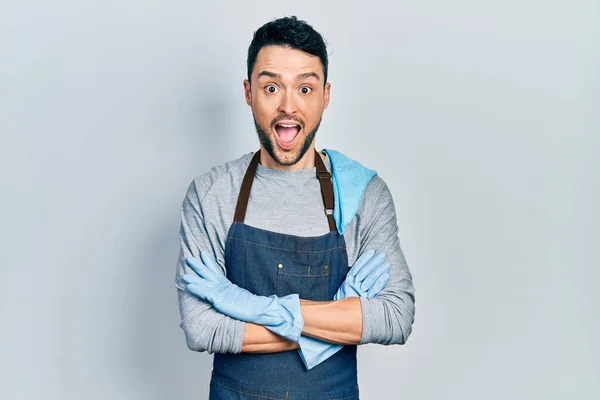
x,y
309,282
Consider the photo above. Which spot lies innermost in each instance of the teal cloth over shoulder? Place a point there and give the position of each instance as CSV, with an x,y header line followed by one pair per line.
x,y
350,179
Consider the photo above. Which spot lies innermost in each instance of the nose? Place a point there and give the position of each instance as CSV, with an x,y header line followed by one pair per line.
x,y
288,104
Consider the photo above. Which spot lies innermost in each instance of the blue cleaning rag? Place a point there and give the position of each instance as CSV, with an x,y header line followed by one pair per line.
x,y
350,180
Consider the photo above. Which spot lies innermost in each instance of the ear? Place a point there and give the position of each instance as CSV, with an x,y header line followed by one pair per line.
x,y
247,92
326,93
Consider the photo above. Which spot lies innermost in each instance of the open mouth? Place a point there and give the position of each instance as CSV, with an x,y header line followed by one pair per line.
x,y
287,133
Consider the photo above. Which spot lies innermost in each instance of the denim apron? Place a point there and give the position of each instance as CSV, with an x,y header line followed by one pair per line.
x,y
267,263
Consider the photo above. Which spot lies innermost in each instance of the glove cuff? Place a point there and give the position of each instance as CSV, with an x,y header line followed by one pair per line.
x,y
292,323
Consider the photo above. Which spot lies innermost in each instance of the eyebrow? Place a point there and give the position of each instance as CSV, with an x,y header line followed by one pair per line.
x,y
305,75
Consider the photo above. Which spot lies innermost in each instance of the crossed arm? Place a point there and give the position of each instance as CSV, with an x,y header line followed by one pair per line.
x,y
338,321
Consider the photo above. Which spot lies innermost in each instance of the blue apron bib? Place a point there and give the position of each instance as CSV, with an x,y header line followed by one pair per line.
x,y
267,263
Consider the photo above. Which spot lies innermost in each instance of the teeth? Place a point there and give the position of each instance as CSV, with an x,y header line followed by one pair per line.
x,y
288,126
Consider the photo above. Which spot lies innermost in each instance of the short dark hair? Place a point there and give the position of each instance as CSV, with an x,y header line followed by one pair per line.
x,y
288,32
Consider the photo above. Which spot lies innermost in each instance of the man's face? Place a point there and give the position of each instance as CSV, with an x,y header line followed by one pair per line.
x,y
288,97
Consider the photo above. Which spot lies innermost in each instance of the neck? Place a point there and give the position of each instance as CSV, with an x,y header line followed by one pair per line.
x,y
307,160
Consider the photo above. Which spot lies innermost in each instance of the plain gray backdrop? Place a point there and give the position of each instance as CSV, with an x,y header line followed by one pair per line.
x,y
482,117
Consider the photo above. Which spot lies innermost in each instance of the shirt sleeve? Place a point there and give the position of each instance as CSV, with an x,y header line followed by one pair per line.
x,y
387,317
205,328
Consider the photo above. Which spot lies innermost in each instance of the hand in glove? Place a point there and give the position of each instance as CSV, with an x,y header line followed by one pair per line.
x,y
367,277
281,315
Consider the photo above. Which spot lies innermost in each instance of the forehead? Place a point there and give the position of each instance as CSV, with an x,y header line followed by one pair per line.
x,y
286,61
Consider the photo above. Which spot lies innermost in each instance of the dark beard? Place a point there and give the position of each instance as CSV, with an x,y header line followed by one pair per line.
x,y
268,144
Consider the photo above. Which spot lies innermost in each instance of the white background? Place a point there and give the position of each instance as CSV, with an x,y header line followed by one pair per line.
x,y
482,117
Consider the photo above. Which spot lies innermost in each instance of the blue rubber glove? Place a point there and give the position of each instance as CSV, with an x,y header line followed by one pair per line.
x,y
281,315
367,277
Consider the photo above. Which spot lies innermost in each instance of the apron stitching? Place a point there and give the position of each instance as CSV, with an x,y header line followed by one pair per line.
x,y
302,275
293,250
277,287
250,394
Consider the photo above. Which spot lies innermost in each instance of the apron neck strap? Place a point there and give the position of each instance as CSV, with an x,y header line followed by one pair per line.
x,y
324,181
326,190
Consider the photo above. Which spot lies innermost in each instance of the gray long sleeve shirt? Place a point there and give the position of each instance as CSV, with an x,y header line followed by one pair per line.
x,y
288,202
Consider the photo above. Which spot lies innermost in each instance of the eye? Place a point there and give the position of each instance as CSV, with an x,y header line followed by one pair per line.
x,y
305,90
271,88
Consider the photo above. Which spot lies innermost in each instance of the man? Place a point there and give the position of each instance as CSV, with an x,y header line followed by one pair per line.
x,y
277,273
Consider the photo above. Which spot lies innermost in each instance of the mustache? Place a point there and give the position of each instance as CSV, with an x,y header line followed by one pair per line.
x,y
286,118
